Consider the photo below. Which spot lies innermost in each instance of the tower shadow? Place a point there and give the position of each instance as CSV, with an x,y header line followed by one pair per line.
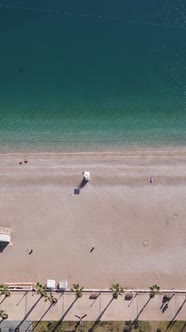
x,y
83,183
80,186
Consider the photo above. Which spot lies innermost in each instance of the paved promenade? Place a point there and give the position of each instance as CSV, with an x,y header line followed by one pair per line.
x,y
31,307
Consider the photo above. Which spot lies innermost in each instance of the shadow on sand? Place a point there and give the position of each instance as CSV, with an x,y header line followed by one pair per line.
x,y
80,187
3,245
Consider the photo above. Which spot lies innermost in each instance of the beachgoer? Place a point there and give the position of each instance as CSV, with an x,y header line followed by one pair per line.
x,y
91,249
20,163
25,161
151,179
31,251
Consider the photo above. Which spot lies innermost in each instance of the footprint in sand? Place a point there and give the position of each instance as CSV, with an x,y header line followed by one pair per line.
x,y
156,275
170,218
146,243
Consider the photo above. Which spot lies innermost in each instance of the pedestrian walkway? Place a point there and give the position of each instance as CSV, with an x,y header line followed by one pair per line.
x,y
10,326
29,306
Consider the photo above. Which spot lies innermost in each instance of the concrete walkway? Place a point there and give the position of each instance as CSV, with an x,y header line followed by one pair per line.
x,y
29,306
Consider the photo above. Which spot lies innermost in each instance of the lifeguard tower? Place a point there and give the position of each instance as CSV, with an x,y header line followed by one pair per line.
x,y
5,233
86,175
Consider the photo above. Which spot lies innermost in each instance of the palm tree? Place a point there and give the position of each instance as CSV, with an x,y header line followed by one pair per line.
x,y
77,289
3,314
52,299
117,290
154,290
4,290
40,289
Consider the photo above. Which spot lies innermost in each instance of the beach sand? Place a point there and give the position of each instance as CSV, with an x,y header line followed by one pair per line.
x,y
137,228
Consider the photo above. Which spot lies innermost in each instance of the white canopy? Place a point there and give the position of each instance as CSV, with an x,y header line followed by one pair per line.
x,y
4,238
63,285
87,175
51,284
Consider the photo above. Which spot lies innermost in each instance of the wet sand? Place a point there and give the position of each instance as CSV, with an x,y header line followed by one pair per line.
x,y
137,228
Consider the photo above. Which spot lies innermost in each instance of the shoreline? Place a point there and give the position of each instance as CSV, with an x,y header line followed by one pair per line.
x,y
125,150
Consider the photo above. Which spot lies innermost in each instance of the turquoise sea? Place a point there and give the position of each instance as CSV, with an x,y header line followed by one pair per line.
x,y
92,75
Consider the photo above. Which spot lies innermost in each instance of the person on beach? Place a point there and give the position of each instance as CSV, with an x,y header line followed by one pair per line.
x,y
25,162
151,180
31,251
92,249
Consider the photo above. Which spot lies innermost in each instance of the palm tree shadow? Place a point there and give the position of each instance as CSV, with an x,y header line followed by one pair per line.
x,y
62,318
136,319
132,299
21,298
80,186
99,317
183,327
3,299
28,313
40,318
171,323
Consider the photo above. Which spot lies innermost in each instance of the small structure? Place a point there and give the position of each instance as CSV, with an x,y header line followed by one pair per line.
x,y
20,286
5,238
62,285
128,296
51,284
151,179
86,178
93,296
5,233
86,175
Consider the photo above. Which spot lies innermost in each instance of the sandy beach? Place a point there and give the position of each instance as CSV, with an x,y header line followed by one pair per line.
x,y
137,228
